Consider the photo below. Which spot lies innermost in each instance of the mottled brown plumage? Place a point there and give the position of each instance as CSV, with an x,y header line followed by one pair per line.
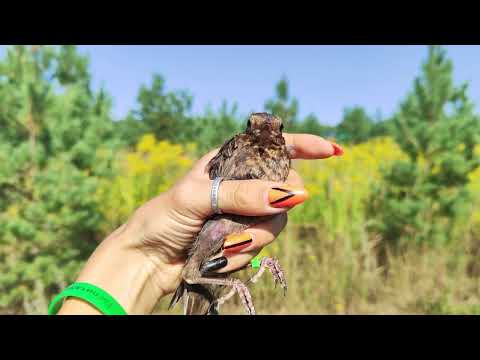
x,y
258,153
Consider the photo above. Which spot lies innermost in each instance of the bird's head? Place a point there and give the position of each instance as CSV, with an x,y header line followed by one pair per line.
x,y
264,124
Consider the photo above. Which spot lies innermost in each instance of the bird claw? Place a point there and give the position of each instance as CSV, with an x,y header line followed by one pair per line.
x,y
242,290
274,266
245,296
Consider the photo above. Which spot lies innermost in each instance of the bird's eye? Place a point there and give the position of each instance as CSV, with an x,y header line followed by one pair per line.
x,y
281,127
249,124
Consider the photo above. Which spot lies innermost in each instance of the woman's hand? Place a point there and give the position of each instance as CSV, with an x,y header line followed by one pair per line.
x,y
142,260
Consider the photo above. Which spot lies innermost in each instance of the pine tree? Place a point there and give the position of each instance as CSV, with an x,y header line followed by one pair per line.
x,y
281,105
213,128
437,129
311,125
56,142
163,113
355,127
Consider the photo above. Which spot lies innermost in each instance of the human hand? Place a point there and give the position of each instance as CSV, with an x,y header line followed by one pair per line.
x,y
153,243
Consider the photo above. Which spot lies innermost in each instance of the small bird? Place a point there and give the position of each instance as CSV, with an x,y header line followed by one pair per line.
x,y
258,153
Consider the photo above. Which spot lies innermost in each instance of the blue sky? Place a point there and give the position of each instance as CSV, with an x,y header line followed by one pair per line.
x,y
325,79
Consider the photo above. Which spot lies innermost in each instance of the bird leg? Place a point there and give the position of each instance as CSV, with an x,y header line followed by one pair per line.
x,y
266,263
277,272
237,287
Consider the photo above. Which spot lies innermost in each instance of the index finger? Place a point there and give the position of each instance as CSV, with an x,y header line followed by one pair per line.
x,y
308,146
301,146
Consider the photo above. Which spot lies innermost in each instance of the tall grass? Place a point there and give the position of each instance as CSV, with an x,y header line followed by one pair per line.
x,y
325,276
332,262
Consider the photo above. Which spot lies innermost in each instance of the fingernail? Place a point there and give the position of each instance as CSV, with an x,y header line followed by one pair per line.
x,y
337,149
213,265
236,242
286,196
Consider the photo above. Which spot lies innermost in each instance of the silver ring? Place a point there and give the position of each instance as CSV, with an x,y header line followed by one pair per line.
x,y
214,195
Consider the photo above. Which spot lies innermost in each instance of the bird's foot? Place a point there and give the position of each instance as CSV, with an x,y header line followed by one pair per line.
x,y
274,266
243,292
236,287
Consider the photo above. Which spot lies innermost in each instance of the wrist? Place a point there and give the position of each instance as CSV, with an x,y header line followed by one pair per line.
x,y
127,274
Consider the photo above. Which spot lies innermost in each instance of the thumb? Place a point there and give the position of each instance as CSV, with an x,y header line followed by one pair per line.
x,y
241,197
257,197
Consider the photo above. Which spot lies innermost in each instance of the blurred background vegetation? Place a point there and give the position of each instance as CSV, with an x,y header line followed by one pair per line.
x,y
391,227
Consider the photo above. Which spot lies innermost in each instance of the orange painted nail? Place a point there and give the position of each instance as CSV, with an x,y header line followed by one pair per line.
x,y
236,242
286,196
337,149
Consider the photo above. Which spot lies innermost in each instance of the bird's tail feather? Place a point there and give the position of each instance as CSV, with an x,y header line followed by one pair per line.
x,y
178,295
197,299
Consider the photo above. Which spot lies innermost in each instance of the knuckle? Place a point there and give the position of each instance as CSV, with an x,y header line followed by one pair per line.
x,y
181,193
239,196
177,194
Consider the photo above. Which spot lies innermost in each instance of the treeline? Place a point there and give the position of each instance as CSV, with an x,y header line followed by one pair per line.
x,y
167,114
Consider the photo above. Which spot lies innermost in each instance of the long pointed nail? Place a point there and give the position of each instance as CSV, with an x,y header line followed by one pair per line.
x,y
234,243
286,196
337,149
213,265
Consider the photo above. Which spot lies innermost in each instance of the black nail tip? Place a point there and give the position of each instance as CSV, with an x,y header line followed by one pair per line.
x,y
214,264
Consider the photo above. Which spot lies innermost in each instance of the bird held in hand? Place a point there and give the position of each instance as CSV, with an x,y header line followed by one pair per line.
x,y
258,153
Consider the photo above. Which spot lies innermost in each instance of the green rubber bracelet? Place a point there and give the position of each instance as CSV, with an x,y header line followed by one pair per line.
x,y
92,294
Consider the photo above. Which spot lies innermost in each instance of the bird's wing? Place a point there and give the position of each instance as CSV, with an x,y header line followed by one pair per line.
x,y
216,166
236,160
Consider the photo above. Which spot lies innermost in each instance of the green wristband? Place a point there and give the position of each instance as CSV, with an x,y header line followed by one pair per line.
x,y
92,294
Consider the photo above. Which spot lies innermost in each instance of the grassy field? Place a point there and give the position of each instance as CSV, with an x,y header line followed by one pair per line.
x,y
334,265
329,276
